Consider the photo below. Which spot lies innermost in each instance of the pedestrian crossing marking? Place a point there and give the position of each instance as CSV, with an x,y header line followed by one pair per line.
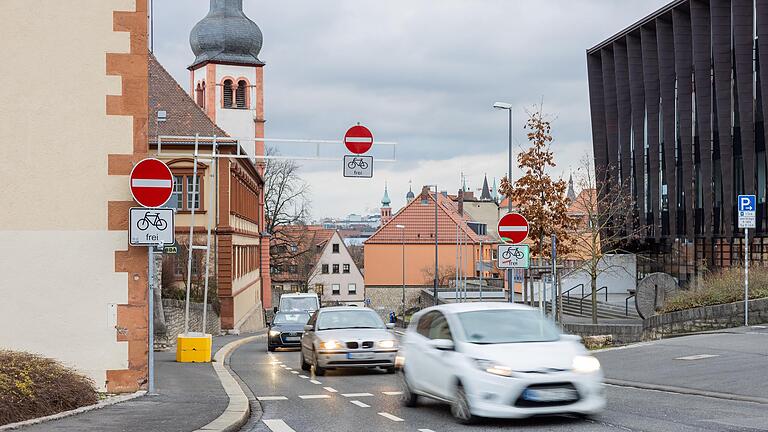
x,y
360,404
330,389
390,416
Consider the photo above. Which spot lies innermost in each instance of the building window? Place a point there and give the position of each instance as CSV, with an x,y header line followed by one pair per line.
x,y
193,192
325,268
336,289
346,268
335,248
294,288
240,94
227,98
335,269
352,288
178,191
200,95
319,288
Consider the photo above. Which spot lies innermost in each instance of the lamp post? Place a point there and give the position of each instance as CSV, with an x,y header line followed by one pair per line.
x,y
434,289
508,107
402,237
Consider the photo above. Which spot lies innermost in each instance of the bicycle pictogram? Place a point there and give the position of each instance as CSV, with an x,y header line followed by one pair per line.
x,y
509,253
357,162
153,219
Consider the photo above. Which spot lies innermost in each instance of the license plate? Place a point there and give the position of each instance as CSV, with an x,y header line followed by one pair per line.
x,y
292,339
360,356
549,395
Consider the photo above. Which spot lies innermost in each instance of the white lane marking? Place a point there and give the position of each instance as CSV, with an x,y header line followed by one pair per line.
x,y
276,425
390,416
271,398
295,372
289,369
315,382
303,376
360,404
320,396
697,357
353,395
426,430
330,389
392,393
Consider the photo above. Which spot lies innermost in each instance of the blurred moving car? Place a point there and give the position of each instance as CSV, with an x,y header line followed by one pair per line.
x,y
308,302
497,360
347,336
286,329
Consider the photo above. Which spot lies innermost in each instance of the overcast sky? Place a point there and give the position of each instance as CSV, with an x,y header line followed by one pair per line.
x,y
422,73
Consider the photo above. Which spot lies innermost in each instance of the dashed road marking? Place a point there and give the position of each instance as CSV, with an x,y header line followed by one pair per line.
x,y
271,398
354,395
390,416
276,425
360,404
303,376
330,389
295,372
392,393
320,396
697,357
288,369
426,430
315,382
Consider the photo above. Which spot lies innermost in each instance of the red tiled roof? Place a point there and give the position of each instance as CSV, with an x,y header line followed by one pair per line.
x,y
419,221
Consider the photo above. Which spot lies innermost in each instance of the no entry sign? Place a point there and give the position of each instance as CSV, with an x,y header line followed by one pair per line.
x,y
513,228
151,183
358,139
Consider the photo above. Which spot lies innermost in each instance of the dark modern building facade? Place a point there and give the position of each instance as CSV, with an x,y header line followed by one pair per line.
x,y
678,113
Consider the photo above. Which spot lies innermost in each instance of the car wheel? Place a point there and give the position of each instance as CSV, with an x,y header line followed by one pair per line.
x,y
270,348
304,365
390,370
319,371
460,407
407,396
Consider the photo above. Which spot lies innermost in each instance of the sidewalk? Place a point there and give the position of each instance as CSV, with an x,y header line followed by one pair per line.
x,y
730,362
189,396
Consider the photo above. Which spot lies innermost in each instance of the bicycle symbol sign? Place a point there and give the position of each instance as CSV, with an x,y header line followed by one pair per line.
x,y
151,226
358,166
513,256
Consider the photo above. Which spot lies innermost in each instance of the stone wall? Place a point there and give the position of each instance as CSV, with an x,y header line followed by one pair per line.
x,y
174,320
385,299
621,333
705,318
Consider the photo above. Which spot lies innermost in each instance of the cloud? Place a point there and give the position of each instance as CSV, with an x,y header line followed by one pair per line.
x,y
422,73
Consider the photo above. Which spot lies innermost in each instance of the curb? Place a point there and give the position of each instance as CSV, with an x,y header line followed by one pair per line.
x,y
239,409
64,414
687,391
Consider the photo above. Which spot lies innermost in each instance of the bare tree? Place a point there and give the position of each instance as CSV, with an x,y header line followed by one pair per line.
x,y
358,256
604,212
445,274
286,203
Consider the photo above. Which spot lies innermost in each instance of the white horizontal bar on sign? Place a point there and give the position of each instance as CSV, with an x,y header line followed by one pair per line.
x,y
358,140
512,229
151,183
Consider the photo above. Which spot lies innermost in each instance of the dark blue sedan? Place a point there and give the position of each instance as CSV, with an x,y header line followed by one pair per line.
x,y
286,329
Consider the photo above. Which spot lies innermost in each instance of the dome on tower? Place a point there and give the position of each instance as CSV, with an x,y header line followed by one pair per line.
x,y
226,35
385,201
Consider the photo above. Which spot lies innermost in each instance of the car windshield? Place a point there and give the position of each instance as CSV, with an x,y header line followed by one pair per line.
x,y
300,318
298,303
507,326
346,319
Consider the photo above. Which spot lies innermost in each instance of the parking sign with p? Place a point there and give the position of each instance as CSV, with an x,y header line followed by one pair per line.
x,y
747,211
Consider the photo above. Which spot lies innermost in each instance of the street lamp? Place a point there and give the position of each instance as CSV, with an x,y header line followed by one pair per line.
x,y
508,107
402,237
434,289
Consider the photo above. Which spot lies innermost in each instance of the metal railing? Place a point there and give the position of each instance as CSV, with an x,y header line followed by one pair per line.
x,y
567,293
581,300
632,293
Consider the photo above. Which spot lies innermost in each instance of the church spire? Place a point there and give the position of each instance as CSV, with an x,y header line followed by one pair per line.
x,y
385,201
571,193
486,194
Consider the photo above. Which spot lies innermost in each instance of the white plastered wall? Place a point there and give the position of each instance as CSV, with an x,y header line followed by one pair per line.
x,y
354,276
57,261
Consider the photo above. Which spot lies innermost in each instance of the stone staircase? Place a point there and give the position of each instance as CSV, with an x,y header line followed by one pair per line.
x,y
572,306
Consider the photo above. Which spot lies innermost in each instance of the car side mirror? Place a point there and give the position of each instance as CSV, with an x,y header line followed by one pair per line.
x,y
390,325
442,344
308,328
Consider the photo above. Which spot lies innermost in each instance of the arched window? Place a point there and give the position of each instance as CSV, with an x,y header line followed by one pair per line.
x,y
200,95
228,93
202,101
242,88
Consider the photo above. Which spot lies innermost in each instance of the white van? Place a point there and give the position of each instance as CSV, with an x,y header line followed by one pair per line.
x,y
299,301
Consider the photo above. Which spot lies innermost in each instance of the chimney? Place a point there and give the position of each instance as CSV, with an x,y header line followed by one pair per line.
x,y
461,202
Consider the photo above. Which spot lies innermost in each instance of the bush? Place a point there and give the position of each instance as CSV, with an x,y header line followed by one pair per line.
x,y
725,286
32,386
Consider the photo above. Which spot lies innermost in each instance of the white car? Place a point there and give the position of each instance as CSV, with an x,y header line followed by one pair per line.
x,y
497,360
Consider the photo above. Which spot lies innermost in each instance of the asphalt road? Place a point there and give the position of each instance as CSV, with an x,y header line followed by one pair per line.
x,y
356,401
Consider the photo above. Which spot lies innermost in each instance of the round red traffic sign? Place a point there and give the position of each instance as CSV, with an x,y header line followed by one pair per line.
x,y
151,183
513,228
358,139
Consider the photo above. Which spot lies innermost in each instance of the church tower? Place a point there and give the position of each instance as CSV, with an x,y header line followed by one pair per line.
x,y
226,77
386,210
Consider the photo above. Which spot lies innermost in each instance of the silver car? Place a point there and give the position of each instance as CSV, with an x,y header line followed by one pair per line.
x,y
344,336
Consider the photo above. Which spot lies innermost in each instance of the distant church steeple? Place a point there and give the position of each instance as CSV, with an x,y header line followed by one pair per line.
x,y
571,193
409,196
486,194
386,210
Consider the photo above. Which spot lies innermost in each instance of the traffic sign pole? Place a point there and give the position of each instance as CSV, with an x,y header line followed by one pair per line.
x,y
151,315
746,277
747,206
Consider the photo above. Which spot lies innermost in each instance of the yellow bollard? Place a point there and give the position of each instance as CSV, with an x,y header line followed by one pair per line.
x,y
193,348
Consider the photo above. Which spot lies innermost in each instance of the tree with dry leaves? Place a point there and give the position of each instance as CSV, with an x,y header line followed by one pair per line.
x,y
604,212
540,199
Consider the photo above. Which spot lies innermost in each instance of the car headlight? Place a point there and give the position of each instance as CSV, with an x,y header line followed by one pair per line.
x,y
585,364
274,333
387,344
493,368
330,345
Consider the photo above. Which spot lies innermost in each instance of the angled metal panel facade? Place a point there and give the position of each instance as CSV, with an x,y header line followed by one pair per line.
x,y
702,66
623,107
666,44
652,101
681,26
637,94
743,40
611,114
